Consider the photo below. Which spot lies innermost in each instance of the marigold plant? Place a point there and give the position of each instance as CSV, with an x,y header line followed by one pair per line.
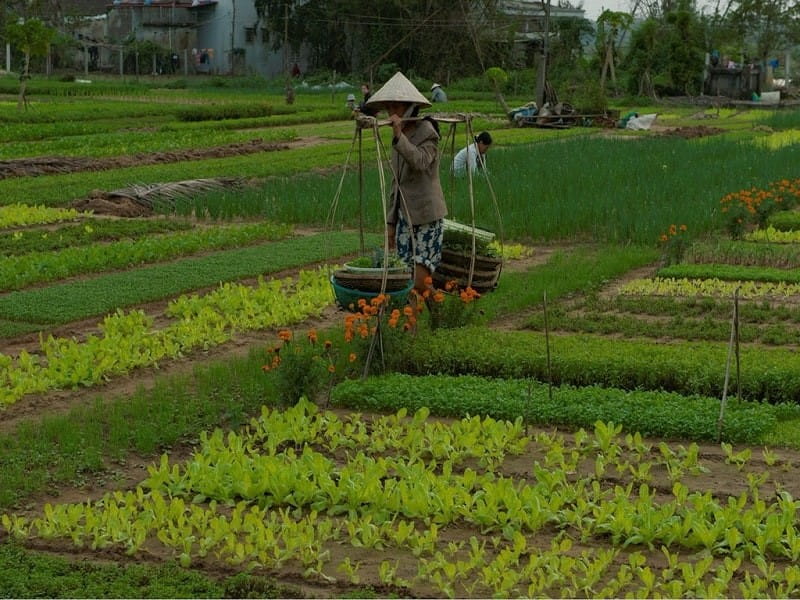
x,y
303,367
674,242
450,308
300,366
753,206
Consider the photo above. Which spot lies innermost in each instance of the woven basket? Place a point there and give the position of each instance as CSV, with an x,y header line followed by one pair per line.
x,y
483,280
463,259
371,281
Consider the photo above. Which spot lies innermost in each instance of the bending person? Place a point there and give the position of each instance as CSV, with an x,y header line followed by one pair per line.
x,y
417,208
473,157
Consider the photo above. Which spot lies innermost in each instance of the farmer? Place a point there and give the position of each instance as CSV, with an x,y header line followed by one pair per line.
x,y
362,107
437,93
417,208
473,157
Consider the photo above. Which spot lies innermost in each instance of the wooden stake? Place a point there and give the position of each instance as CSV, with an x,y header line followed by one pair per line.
x,y
736,327
360,192
731,344
547,345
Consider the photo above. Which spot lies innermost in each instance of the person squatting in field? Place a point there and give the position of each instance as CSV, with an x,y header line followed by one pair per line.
x,y
473,157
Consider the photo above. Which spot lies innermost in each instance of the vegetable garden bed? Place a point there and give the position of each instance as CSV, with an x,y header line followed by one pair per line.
x,y
404,503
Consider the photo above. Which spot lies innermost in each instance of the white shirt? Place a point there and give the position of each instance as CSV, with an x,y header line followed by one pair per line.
x,y
469,154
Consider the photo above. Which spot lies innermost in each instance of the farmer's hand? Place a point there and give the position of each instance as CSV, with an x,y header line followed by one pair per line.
x,y
397,125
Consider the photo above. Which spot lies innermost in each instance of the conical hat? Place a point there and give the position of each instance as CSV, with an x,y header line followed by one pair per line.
x,y
398,89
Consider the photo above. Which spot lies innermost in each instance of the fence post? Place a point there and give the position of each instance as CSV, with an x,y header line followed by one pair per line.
x,y
8,58
547,346
733,342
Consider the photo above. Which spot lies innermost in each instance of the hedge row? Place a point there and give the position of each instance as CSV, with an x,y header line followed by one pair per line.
x,y
662,414
769,374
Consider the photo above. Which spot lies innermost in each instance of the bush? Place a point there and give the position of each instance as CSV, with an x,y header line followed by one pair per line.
x,y
589,98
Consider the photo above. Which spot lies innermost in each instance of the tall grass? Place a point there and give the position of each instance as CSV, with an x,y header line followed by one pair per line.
x,y
589,188
784,119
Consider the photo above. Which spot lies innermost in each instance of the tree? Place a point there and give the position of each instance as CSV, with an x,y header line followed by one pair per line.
x,y
566,48
436,37
498,78
666,53
610,25
32,38
770,24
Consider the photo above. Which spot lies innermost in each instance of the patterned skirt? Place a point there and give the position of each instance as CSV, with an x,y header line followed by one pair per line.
x,y
426,248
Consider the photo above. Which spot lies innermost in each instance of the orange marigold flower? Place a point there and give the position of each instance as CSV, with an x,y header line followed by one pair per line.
x,y
438,297
408,311
406,326
352,357
348,336
328,344
429,280
673,230
285,335
265,368
361,303
450,285
331,369
683,227
664,237
392,322
395,314
312,336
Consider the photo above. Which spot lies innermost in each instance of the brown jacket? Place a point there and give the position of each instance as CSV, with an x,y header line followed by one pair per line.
x,y
415,162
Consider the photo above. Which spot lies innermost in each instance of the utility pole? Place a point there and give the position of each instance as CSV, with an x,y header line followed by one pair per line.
x,y
286,38
233,34
286,75
541,71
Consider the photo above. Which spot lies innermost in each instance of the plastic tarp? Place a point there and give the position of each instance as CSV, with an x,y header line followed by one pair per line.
x,y
641,122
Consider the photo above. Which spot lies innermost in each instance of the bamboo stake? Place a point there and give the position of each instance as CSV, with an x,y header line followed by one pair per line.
x,y
360,192
547,345
738,365
724,400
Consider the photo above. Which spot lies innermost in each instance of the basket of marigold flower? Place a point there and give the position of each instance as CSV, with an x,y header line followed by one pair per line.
x,y
347,297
